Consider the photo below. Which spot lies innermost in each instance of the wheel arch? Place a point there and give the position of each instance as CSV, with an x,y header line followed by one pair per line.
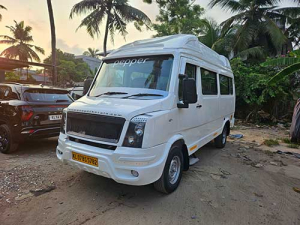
x,y
179,140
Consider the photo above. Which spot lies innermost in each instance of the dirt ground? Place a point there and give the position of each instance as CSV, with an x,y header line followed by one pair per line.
x,y
245,183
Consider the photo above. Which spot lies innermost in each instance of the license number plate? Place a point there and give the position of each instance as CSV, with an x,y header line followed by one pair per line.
x,y
85,159
55,117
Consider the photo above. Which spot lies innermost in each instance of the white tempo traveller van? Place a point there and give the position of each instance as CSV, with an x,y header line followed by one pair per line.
x,y
151,106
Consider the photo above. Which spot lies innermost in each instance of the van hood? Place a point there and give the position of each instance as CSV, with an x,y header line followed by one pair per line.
x,y
125,108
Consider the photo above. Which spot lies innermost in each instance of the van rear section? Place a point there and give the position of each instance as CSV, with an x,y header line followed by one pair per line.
x,y
42,113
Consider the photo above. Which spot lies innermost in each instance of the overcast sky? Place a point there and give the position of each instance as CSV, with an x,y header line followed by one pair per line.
x,y
35,14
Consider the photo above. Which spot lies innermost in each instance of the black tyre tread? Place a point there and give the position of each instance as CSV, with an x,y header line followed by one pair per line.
x,y
160,185
12,146
218,140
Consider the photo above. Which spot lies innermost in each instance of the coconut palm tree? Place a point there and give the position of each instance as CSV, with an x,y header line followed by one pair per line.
x,y
20,43
92,52
258,33
291,64
117,13
53,41
2,7
213,37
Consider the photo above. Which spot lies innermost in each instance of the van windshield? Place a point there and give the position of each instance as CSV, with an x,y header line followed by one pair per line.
x,y
153,72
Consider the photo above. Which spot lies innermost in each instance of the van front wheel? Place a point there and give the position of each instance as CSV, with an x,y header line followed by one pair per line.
x,y
170,179
221,140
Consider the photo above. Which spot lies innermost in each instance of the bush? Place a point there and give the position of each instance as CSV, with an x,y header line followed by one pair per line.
x,y
256,100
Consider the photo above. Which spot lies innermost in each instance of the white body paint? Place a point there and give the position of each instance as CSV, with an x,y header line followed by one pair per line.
x,y
167,124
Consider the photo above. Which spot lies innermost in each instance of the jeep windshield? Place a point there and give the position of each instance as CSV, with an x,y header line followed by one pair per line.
x,y
148,73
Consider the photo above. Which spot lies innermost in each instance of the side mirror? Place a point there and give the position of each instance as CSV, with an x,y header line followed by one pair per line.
x,y
87,84
189,92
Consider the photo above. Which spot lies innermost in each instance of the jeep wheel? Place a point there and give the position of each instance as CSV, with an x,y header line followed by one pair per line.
x,y
6,141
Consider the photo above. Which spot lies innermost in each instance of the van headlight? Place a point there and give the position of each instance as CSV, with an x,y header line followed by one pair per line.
x,y
135,133
63,122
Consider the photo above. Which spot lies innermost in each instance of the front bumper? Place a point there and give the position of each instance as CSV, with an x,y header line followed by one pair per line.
x,y
117,164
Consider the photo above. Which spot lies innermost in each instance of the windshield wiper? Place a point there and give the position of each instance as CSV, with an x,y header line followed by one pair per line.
x,y
143,95
111,93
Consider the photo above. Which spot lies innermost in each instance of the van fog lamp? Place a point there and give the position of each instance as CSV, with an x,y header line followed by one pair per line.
x,y
134,173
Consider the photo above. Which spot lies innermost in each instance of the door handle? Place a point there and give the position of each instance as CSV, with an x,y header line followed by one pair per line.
x,y
199,106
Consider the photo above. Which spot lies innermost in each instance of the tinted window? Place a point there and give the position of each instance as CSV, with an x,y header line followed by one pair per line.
x,y
209,82
191,72
6,93
53,96
153,72
226,86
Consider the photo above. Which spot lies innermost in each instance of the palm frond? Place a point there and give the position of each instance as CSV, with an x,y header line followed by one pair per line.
x,y
277,36
33,55
284,73
131,14
245,35
86,6
229,5
256,52
92,22
284,61
10,53
293,12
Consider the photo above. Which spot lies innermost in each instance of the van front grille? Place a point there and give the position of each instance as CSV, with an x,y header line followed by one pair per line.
x,y
95,127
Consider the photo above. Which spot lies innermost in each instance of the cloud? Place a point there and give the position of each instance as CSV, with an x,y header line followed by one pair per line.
x,y
75,49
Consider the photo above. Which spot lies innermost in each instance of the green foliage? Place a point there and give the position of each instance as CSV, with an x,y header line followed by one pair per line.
x,y
286,140
92,52
178,17
21,47
68,68
270,142
261,26
12,76
295,146
254,93
292,63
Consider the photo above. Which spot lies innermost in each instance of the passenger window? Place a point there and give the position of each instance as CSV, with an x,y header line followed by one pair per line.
x,y
191,72
226,86
209,82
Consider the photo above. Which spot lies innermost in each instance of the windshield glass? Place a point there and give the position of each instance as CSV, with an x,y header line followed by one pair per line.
x,y
40,95
153,72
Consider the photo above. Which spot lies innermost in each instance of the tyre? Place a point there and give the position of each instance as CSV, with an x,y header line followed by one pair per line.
x,y
170,179
6,142
221,140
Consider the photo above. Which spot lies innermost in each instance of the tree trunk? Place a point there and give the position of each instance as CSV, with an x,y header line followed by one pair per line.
x,y
53,42
105,36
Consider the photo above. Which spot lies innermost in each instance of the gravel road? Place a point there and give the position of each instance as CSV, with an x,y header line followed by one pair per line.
x,y
241,184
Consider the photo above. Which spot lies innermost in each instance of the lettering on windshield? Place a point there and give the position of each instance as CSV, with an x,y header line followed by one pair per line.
x,y
129,62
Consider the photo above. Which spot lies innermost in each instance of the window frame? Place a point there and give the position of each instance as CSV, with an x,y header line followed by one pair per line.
x,y
216,84
230,85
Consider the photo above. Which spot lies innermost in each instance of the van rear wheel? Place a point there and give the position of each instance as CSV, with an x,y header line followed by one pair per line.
x,y
221,140
171,177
